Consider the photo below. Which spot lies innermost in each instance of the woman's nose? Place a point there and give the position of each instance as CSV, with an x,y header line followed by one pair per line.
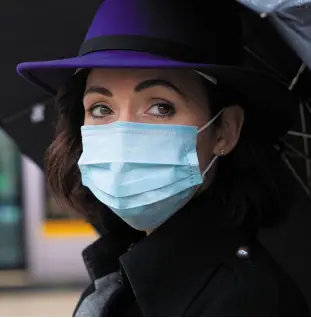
x,y
127,114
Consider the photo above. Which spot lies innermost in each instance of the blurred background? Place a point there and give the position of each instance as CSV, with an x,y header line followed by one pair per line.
x,y
41,269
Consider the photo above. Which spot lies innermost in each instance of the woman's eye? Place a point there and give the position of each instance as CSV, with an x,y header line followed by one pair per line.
x,y
98,111
162,110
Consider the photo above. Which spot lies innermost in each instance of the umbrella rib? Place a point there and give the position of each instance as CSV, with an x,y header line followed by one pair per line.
x,y
296,151
308,107
299,134
12,118
305,140
248,50
300,181
296,78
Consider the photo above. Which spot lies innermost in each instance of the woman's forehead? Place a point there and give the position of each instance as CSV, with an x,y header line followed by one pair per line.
x,y
178,76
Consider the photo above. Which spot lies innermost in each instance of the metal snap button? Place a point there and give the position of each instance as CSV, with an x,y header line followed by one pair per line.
x,y
243,252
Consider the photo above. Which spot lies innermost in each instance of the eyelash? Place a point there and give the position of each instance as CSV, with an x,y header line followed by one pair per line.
x,y
92,108
171,106
172,113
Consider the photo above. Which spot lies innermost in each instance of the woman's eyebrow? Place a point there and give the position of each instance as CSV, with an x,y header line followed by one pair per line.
x,y
158,82
140,87
98,90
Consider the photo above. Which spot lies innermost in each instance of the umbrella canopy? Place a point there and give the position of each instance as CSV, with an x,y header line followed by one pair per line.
x,y
35,31
278,40
291,18
42,29
32,129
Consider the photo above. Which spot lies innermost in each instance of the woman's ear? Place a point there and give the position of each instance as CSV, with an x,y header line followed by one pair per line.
x,y
232,121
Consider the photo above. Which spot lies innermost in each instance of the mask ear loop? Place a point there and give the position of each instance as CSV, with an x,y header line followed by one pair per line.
x,y
203,128
209,166
204,173
211,121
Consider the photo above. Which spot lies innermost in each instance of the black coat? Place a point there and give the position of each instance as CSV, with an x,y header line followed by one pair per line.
x,y
188,267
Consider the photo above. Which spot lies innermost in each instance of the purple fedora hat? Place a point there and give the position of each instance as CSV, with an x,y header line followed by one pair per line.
x,y
193,34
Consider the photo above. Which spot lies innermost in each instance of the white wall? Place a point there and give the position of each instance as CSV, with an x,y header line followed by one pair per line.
x,y
50,259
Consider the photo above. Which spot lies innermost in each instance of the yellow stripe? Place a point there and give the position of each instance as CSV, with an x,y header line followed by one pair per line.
x,y
68,228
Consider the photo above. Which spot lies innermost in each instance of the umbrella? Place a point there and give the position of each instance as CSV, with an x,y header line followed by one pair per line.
x,y
291,18
32,31
278,41
32,129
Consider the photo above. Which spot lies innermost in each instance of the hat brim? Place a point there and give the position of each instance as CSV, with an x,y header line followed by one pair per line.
x,y
273,105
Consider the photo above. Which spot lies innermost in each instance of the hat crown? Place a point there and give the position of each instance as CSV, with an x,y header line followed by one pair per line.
x,y
200,25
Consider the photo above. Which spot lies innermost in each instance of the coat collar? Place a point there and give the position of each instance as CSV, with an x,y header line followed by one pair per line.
x,y
168,268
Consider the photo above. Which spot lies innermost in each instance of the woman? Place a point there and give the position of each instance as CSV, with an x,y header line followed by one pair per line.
x,y
165,144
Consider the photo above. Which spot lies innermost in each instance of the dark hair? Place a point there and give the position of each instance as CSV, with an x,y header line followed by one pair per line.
x,y
249,185
252,184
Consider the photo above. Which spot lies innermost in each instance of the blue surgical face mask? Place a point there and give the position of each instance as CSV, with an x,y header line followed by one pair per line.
x,y
143,172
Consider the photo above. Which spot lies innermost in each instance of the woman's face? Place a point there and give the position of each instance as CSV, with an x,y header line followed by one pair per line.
x,y
153,96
